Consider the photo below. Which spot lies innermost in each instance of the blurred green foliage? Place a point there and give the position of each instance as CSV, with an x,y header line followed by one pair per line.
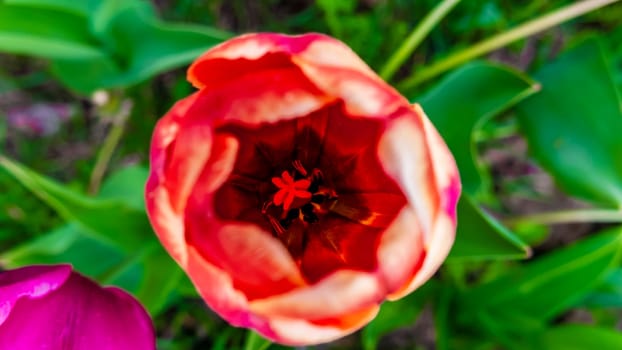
x,y
558,90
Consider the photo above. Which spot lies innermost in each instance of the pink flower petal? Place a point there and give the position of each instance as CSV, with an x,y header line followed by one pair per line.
x,y
77,315
29,282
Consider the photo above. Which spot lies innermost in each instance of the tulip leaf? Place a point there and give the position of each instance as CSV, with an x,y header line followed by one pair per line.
x,y
143,46
547,286
46,32
101,44
36,250
608,294
463,101
255,341
148,272
479,236
127,185
396,314
458,106
80,7
580,337
574,125
66,244
110,221
159,279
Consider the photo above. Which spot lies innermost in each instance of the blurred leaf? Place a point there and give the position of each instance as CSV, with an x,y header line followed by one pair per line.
x,y
127,185
66,244
101,44
148,272
46,32
541,289
608,294
142,47
159,280
110,221
580,337
255,341
463,101
480,236
396,314
79,7
51,244
574,125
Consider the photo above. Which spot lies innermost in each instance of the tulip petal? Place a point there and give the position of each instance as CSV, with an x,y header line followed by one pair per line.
x,y
401,251
402,152
29,282
78,315
267,97
296,332
445,168
250,53
339,293
363,95
260,263
438,243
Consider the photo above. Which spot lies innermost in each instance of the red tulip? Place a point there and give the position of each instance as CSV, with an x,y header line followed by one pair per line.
x,y
297,189
51,307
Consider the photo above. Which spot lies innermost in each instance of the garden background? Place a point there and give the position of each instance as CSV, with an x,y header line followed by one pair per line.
x,y
526,95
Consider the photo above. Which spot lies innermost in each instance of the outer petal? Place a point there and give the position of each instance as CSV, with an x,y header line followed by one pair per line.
x,y
401,251
415,155
341,293
439,242
75,316
159,200
29,282
302,332
253,52
268,96
328,63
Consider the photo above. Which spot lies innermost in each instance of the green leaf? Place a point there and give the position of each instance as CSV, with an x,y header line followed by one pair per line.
x,y
127,185
396,314
256,342
574,125
51,244
580,337
608,294
66,244
463,101
160,278
148,272
46,32
480,236
110,221
142,47
541,289
458,106
78,7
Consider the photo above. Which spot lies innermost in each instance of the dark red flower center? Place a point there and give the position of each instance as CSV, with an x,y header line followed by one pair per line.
x,y
300,196
317,184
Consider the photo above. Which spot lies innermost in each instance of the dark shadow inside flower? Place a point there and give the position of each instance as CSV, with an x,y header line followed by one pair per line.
x,y
316,184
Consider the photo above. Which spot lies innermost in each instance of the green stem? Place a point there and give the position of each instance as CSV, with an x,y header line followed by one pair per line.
x,y
568,216
108,147
416,36
256,342
503,39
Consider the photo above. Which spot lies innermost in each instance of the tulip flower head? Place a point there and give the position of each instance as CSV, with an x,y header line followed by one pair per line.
x,y
297,189
52,307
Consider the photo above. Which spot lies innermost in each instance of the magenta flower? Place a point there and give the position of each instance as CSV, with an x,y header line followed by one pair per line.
x,y
52,307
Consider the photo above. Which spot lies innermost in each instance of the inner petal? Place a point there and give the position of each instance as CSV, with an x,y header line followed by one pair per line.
x,y
316,184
